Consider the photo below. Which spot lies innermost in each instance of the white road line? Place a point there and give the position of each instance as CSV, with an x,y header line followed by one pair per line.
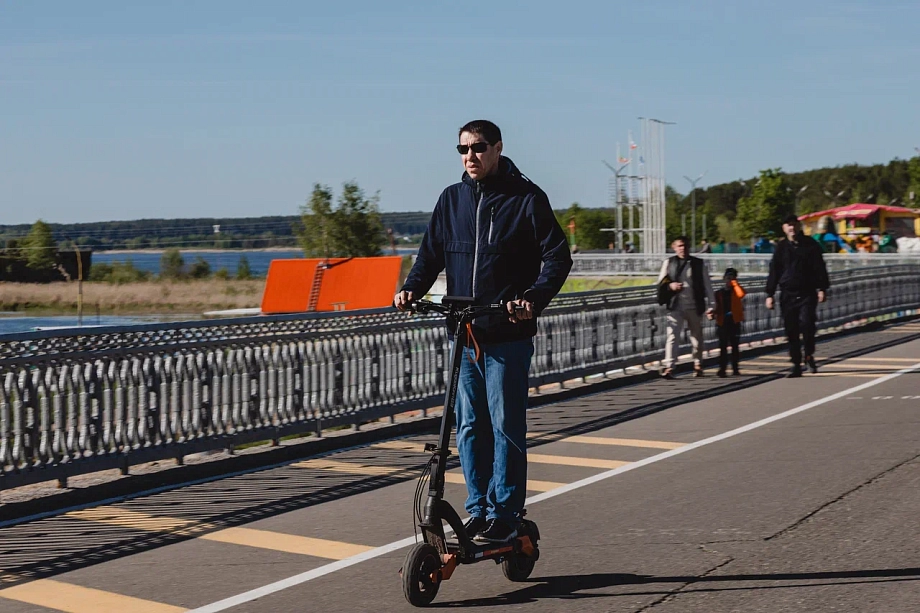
x,y
271,588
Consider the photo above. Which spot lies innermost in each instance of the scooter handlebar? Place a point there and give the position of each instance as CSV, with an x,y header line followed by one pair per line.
x,y
427,306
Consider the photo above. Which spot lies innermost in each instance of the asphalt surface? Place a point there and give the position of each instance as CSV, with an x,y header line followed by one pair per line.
x,y
703,506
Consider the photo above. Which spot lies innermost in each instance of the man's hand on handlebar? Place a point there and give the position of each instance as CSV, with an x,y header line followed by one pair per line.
x,y
402,300
519,310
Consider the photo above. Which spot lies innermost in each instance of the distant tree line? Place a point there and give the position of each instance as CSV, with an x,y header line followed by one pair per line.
x,y
200,233
352,224
37,258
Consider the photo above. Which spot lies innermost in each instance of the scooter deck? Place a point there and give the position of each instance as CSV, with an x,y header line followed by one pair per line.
x,y
476,552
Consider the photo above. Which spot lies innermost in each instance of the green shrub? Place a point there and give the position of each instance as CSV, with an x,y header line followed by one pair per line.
x,y
200,269
118,273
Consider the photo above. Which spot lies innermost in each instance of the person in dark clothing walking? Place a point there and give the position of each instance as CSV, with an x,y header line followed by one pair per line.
x,y
729,315
498,240
799,271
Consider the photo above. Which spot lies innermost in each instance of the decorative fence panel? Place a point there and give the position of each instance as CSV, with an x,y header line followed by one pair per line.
x,y
90,399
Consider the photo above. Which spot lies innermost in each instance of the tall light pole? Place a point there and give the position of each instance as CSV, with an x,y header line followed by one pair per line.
x,y
616,190
693,183
654,211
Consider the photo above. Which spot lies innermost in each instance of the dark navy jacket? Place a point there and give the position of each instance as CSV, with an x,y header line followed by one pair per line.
x,y
798,268
498,240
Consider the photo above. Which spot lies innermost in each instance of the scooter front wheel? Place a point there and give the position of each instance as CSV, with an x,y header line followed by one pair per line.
x,y
418,587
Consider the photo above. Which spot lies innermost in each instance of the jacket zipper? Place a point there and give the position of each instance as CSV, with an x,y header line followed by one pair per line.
x,y
491,221
476,244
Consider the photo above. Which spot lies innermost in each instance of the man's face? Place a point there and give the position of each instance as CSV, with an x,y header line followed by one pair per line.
x,y
479,165
791,229
680,248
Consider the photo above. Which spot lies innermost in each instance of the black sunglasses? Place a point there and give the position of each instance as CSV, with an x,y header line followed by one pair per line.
x,y
476,147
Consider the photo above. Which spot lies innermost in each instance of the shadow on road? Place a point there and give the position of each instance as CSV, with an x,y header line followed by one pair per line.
x,y
580,586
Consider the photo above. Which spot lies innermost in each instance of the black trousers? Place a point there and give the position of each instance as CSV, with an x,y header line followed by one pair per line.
x,y
799,315
729,334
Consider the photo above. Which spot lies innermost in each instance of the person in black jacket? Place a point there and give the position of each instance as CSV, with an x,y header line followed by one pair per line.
x,y
798,269
498,240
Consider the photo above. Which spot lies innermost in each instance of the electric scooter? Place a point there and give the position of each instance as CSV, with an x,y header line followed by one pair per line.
x,y
432,561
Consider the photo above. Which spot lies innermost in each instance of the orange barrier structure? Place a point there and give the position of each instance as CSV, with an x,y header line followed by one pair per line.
x,y
334,284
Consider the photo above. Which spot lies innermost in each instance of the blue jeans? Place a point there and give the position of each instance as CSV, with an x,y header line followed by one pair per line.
x,y
492,428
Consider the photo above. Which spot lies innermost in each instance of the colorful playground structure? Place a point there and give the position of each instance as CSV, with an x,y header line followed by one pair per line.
x,y
862,227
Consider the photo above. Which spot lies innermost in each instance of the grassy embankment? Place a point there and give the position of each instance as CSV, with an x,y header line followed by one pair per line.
x,y
185,297
144,297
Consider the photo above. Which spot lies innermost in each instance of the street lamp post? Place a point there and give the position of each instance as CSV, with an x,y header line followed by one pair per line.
x,y
798,196
693,183
834,197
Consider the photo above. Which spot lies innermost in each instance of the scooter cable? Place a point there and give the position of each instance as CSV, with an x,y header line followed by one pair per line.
x,y
423,480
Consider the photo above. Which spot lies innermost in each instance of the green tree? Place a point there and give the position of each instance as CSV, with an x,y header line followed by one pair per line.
x,y
589,225
352,229
358,230
172,266
676,207
763,210
727,229
243,270
567,217
912,198
39,249
317,220
200,269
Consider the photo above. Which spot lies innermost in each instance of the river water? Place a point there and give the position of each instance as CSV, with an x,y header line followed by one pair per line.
x,y
229,259
11,322
150,261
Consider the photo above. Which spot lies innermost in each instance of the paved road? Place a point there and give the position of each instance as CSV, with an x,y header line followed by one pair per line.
x,y
784,495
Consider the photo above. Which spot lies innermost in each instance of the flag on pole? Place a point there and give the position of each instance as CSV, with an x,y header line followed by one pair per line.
x,y
624,160
632,143
641,160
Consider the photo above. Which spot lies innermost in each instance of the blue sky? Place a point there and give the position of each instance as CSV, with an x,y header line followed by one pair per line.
x,y
127,110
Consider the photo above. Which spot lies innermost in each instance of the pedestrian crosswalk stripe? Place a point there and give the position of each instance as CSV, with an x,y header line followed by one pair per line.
x,y
70,598
115,516
352,468
863,366
532,484
623,442
857,375
264,539
403,445
561,460
288,543
905,360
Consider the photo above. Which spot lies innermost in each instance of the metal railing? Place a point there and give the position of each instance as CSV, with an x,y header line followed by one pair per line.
x,y
601,263
85,400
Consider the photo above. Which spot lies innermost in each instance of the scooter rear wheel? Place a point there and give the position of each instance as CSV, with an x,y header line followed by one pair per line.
x,y
518,566
421,561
